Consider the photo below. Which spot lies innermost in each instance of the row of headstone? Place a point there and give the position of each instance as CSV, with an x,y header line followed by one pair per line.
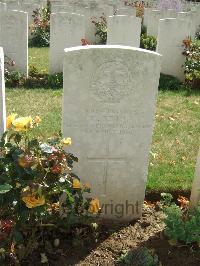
x,y
68,29
171,28
152,18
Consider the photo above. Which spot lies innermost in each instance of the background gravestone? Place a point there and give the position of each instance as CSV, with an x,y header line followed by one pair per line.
x,y
14,38
153,20
66,30
2,94
108,110
124,30
171,34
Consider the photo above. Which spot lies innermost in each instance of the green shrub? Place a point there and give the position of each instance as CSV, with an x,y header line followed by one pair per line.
x,y
33,177
192,63
139,257
143,29
16,79
168,82
40,30
197,36
148,42
182,225
101,29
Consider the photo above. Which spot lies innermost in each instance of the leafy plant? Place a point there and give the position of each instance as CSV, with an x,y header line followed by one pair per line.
x,y
192,63
139,257
34,176
101,29
35,79
168,82
40,30
148,42
139,6
197,36
182,225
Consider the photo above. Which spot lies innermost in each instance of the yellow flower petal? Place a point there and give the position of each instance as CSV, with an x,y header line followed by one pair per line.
x,y
22,123
32,201
66,141
9,120
76,183
94,206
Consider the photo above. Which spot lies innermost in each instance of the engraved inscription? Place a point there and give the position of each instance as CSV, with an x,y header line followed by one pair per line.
x,y
112,82
109,121
106,160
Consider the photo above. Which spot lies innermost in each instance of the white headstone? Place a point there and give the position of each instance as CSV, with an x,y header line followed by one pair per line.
x,y
2,95
12,5
146,14
14,38
66,30
190,17
196,16
124,30
62,8
3,7
171,34
195,193
169,13
153,21
108,110
127,11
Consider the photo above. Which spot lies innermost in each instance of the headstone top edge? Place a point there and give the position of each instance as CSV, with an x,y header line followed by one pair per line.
x,y
107,47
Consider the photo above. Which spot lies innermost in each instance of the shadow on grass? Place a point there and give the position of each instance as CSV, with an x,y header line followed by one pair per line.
x,y
172,84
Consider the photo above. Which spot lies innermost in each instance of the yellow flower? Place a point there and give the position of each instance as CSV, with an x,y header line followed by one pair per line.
x,y
32,201
37,119
22,123
26,161
66,141
76,183
94,206
18,185
9,120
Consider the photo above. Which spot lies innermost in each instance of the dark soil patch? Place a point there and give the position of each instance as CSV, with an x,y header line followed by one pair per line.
x,y
112,243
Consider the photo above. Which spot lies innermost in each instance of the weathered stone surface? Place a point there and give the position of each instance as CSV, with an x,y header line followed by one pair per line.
x,y
127,11
190,17
67,30
2,94
153,20
124,30
171,34
14,38
108,110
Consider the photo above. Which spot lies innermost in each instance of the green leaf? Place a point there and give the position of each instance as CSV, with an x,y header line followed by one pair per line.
x,y
5,188
18,237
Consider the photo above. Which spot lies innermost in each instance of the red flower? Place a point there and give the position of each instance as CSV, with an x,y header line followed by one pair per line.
x,y
56,169
84,42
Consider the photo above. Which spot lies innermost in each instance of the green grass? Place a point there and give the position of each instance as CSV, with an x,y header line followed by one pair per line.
x,y
39,58
176,135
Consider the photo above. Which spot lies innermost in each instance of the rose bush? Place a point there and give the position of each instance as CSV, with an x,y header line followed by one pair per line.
x,y
34,176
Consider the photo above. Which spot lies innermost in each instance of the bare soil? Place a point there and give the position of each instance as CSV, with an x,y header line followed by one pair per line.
x,y
111,243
